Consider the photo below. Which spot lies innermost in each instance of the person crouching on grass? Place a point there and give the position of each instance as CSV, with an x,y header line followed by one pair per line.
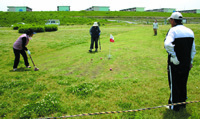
x,y
19,47
95,33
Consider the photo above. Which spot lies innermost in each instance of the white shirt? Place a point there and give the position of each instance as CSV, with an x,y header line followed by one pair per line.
x,y
155,25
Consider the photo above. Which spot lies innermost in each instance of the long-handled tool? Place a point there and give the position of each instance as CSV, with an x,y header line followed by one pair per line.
x,y
99,43
36,69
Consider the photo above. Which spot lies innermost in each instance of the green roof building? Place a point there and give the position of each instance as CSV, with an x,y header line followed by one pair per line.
x,y
19,9
98,8
63,8
137,9
162,10
191,11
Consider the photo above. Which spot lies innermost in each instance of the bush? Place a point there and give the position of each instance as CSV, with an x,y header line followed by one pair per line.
x,y
17,26
51,27
35,28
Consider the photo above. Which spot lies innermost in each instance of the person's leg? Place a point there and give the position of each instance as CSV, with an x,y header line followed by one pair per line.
x,y
17,58
25,57
155,31
92,44
174,84
183,87
96,44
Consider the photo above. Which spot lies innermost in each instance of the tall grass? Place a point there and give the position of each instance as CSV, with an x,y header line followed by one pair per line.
x,y
69,82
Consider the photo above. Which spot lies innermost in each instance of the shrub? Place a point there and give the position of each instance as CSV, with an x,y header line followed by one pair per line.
x,y
51,27
17,26
35,28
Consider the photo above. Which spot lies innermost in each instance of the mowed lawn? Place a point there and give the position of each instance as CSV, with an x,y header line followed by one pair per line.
x,y
73,81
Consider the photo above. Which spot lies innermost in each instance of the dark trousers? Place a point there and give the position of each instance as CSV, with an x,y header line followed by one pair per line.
x,y
94,40
177,79
155,31
17,57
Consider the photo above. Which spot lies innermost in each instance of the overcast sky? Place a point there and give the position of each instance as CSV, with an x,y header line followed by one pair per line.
x,y
77,5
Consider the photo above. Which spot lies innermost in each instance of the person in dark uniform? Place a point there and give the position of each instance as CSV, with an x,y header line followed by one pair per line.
x,y
180,46
95,33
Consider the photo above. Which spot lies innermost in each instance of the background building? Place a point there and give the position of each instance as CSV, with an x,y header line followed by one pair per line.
x,y
98,8
191,11
162,10
63,8
137,9
19,9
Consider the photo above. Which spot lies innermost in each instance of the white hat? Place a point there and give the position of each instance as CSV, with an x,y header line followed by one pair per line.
x,y
95,24
176,15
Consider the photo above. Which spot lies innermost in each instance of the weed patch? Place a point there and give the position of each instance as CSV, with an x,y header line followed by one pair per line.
x,y
39,87
50,104
82,90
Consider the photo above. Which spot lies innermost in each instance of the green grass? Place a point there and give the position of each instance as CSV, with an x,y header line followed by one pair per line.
x,y
70,83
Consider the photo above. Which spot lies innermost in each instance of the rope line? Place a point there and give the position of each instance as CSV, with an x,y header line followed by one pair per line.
x,y
114,112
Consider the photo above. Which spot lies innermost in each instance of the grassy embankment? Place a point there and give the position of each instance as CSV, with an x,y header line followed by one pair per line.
x,y
82,17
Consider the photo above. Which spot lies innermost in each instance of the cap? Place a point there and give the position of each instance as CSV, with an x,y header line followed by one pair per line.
x,y
95,24
176,15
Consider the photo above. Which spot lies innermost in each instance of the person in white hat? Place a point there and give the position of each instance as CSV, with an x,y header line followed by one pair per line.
x,y
95,33
180,46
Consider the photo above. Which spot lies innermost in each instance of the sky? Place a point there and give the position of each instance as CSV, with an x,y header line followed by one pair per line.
x,y
115,5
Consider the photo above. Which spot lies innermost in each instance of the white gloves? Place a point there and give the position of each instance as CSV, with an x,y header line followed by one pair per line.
x,y
28,52
174,60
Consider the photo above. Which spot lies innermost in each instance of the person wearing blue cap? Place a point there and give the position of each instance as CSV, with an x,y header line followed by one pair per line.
x,y
180,46
19,47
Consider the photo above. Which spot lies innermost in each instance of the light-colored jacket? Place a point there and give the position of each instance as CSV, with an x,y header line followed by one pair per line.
x,y
155,25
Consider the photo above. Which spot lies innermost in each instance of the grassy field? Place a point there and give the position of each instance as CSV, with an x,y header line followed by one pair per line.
x,y
69,82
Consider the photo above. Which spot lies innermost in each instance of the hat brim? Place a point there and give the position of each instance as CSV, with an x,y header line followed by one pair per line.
x,y
173,18
168,18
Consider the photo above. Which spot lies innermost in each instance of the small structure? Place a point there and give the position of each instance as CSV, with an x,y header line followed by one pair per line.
x,y
19,9
137,9
52,21
191,11
98,8
63,8
162,10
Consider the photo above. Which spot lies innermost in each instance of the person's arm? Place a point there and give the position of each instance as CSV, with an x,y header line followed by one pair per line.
x,y
24,43
193,52
99,31
170,47
91,31
168,43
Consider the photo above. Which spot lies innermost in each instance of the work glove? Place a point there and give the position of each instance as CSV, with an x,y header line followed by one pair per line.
x,y
174,60
28,52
